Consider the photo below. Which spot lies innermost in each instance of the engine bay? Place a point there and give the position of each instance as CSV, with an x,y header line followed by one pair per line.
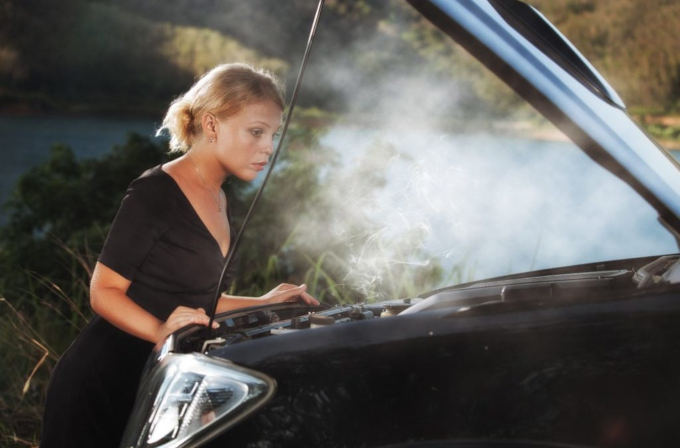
x,y
552,289
258,322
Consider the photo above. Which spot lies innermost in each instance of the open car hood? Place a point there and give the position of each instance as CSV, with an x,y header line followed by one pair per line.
x,y
518,44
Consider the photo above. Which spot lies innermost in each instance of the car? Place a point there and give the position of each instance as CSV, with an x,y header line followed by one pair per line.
x,y
577,355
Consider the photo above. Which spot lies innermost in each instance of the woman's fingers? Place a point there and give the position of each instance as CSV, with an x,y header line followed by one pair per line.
x,y
283,287
292,293
289,293
183,316
308,298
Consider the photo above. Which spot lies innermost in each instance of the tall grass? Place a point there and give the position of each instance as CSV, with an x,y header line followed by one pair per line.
x,y
34,330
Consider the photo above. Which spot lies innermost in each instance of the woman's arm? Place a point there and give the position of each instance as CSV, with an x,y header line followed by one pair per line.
x,y
108,298
285,292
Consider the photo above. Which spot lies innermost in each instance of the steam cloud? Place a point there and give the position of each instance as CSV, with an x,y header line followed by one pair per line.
x,y
477,203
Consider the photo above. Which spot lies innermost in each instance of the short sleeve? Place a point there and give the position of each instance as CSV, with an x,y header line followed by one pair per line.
x,y
139,223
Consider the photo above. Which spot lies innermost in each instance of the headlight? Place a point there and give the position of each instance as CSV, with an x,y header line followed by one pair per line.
x,y
187,399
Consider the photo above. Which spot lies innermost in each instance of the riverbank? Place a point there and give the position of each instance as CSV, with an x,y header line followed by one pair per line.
x,y
664,128
26,140
28,104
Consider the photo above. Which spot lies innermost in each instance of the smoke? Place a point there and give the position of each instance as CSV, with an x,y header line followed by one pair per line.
x,y
438,181
461,202
486,204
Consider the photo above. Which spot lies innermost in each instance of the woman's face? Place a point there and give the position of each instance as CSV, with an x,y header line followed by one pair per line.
x,y
245,140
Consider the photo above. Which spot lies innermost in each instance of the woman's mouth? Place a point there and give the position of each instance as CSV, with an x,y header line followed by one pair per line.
x,y
259,165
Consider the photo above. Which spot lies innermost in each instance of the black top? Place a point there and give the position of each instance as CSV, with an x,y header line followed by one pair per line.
x,y
159,243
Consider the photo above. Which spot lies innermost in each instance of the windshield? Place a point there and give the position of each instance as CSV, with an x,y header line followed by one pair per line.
x,y
428,171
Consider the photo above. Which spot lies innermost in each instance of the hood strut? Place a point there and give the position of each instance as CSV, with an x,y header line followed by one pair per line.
x,y
234,246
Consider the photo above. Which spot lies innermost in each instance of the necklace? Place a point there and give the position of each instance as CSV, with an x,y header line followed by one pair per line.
x,y
217,196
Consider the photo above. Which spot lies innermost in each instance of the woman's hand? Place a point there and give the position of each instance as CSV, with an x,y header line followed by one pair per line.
x,y
286,292
181,317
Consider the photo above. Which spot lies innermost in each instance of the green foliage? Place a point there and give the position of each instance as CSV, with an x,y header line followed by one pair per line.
x,y
63,207
59,213
633,43
105,58
129,55
663,131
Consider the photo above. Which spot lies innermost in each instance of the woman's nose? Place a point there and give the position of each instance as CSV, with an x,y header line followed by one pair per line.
x,y
269,147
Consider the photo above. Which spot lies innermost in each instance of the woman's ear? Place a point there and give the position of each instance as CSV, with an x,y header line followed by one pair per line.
x,y
209,125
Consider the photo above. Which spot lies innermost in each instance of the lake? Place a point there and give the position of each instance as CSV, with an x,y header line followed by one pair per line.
x,y
495,205
25,141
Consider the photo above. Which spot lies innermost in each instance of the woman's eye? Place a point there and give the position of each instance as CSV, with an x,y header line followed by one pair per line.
x,y
257,132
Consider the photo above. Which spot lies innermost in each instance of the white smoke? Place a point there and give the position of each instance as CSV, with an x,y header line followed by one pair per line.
x,y
478,202
494,204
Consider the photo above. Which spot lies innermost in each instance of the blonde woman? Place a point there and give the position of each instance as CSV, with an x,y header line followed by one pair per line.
x,y
159,266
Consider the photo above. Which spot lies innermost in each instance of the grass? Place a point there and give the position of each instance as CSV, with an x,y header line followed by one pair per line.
x,y
35,328
24,373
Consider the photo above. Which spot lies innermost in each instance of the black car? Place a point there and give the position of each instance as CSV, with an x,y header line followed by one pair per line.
x,y
584,355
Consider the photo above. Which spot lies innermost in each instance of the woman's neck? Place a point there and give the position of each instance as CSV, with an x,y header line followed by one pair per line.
x,y
210,171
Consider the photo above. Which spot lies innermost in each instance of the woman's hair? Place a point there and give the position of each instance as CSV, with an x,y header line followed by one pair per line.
x,y
223,91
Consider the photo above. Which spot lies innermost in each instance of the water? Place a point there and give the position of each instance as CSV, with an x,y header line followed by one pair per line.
x,y
495,205
26,141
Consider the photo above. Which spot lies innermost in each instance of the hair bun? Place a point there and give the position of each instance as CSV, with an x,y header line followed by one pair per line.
x,y
187,118
225,90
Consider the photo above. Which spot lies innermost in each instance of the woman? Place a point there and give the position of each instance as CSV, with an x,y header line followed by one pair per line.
x,y
161,261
